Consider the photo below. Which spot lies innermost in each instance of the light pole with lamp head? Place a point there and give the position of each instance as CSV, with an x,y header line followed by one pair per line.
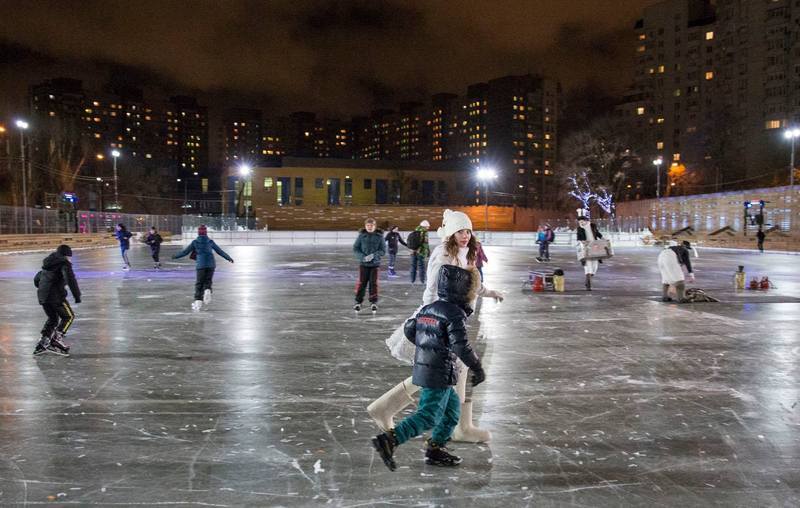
x,y
485,175
244,172
791,135
657,163
115,154
22,125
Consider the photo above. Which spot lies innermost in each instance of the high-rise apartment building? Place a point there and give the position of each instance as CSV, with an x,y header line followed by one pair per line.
x,y
241,136
187,135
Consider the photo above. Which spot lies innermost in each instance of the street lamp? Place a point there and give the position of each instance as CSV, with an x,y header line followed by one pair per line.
x,y
22,125
657,163
791,134
115,154
486,175
245,171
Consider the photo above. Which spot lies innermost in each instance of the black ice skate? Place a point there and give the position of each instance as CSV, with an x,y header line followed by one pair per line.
x,y
357,307
374,308
438,455
41,347
57,345
385,444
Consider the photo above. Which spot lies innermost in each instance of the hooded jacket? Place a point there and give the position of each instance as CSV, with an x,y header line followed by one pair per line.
x,y
439,330
51,281
683,256
392,240
205,248
154,240
369,243
123,235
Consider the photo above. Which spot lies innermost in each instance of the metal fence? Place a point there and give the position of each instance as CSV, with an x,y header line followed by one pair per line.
x,y
218,223
45,220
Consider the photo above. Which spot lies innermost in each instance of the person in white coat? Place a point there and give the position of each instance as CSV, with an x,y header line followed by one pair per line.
x,y
459,248
587,232
671,262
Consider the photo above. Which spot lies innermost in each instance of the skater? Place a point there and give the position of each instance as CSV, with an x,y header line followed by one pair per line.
x,y
154,241
541,241
760,237
50,282
549,237
392,239
458,248
123,235
202,249
368,249
670,263
480,258
587,232
440,335
417,241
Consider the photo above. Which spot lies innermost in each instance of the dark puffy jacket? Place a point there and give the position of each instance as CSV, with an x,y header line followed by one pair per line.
x,y
392,240
51,281
439,330
683,256
205,249
123,235
154,240
369,243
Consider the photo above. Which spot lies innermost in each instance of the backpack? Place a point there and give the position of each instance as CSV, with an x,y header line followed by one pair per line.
x,y
37,278
552,236
414,240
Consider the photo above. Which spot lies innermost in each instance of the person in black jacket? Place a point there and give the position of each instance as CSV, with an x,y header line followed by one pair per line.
x,y
368,249
587,232
50,282
124,237
760,237
671,262
154,240
393,238
440,334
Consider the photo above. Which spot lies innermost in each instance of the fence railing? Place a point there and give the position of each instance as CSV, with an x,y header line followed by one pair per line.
x,y
44,220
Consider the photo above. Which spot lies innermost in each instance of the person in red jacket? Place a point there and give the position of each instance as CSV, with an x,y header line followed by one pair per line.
x,y
480,258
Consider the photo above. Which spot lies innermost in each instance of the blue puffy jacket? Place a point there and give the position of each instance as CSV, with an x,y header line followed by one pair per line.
x,y
205,248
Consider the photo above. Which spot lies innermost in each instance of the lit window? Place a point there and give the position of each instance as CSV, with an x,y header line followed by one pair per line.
x,y
660,120
677,92
709,36
639,111
660,145
642,37
773,124
676,156
640,49
709,75
661,69
268,182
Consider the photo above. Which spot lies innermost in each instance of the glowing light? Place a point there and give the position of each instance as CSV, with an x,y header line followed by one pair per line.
x,y
115,153
22,124
244,170
486,174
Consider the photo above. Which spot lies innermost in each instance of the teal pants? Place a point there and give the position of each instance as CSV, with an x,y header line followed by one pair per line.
x,y
439,409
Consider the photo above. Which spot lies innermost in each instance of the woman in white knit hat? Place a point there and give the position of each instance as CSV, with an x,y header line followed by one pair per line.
x,y
459,248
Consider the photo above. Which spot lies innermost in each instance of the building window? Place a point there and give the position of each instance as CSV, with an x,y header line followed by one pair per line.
x,y
676,157
348,187
709,75
773,124
268,182
319,183
204,184
709,36
298,187
660,145
367,183
639,111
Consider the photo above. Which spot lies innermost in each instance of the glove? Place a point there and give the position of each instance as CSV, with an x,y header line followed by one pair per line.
x,y
497,295
478,376
231,261
77,300
368,258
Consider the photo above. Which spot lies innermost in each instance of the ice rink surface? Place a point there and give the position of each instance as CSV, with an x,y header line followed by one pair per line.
x,y
608,398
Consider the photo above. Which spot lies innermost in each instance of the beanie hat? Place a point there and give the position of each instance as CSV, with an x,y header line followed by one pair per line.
x,y
64,250
425,224
452,222
202,230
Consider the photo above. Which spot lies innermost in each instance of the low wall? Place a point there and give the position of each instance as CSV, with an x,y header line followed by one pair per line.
x,y
22,243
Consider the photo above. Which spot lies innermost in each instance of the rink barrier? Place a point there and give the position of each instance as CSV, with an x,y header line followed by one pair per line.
x,y
492,238
23,243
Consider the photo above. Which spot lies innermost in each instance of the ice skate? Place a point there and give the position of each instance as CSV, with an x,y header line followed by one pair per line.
x,y
385,444
357,307
207,296
374,308
588,282
126,268
57,345
538,259
439,455
197,305
40,348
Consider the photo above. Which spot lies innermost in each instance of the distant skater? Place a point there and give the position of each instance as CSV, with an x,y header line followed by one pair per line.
x,y
50,284
154,240
393,238
124,237
760,237
368,250
202,250
588,232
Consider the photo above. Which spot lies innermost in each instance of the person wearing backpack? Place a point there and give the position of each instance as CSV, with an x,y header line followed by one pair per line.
x,y
202,250
549,237
417,241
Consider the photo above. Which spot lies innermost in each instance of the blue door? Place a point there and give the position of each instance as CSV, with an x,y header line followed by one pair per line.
x,y
428,192
333,191
381,192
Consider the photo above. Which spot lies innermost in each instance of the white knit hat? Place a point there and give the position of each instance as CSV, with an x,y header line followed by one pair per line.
x,y
425,224
453,222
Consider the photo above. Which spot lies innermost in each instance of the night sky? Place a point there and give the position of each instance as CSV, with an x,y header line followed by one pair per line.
x,y
336,57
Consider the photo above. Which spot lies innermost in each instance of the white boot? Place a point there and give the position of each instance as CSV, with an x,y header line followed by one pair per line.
x,y
197,305
466,432
391,403
207,296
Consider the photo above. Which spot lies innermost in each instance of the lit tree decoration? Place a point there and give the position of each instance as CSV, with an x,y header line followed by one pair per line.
x,y
605,200
581,190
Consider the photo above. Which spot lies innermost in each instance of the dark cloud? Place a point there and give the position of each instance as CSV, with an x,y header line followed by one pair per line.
x,y
336,56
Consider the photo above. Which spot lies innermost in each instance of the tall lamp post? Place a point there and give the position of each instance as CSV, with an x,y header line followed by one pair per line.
x,y
22,125
657,163
115,154
244,171
791,135
486,175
